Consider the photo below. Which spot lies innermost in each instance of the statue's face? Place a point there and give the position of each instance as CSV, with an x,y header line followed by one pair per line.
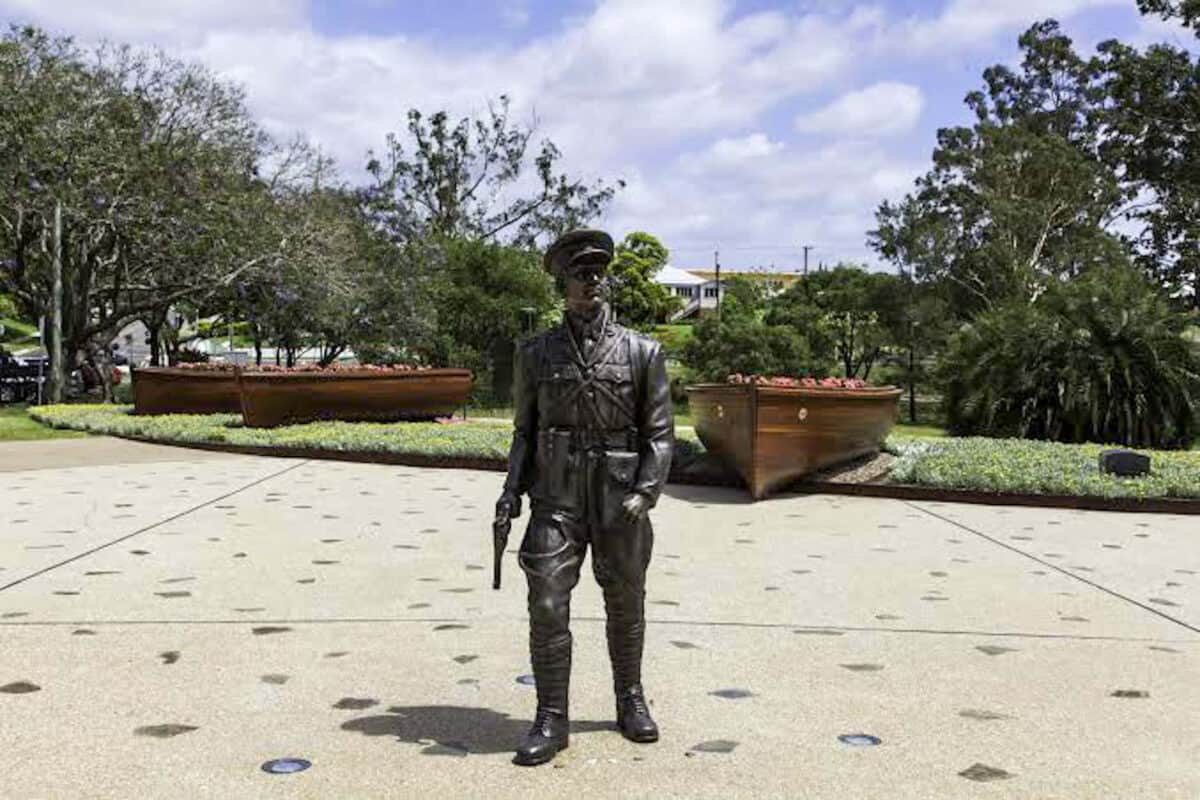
x,y
585,288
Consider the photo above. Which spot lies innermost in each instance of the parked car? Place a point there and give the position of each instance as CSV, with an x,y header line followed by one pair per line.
x,y
19,377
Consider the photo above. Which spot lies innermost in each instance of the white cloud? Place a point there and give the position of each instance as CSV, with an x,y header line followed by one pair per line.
x,y
675,96
736,152
1156,30
966,22
884,108
174,22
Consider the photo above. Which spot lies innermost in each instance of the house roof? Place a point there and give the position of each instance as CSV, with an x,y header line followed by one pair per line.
x,y
673,276
785,277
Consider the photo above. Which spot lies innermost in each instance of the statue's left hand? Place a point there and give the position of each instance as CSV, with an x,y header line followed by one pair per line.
x,y
634,506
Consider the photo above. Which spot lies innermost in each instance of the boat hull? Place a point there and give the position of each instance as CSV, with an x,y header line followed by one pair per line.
x,y
269,399
167,390
773,436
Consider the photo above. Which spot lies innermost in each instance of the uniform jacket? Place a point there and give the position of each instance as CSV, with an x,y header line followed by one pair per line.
x,y
589,429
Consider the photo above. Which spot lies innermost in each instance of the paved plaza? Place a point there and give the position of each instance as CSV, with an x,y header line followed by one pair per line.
x,y
172,619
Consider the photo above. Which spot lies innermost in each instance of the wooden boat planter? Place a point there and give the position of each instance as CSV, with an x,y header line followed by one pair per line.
x,y
170,390
775,435
270,399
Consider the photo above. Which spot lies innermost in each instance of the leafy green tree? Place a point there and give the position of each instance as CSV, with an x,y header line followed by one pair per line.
x,y
636,298
1152,123
1100,359
469,181
126,172
1021,199
847,314
740,341
1186,11
478,297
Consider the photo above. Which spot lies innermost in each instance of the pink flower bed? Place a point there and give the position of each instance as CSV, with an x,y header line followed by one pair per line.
x,y
798,383
218,367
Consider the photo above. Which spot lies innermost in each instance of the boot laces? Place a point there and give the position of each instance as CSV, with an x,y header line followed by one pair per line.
x,y
638,702
541,721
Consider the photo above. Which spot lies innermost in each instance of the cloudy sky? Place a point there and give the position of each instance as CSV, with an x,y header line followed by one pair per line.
x,y
754,126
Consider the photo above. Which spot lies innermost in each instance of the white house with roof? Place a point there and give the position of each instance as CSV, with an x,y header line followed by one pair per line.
x,y
699,289
687,286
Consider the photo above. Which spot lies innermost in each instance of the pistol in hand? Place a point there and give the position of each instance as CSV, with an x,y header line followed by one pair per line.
x,y
507,508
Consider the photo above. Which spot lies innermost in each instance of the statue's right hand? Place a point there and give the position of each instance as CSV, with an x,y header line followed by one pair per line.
x,y
508,506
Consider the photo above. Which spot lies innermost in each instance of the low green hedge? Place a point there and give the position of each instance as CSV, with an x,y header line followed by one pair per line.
x,y
989,465
1020,466
476,440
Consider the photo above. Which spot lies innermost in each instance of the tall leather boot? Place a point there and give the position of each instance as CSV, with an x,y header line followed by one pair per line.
x,y
626,629
552,671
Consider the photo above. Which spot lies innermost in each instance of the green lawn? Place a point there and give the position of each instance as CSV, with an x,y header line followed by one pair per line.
x,y
921,431
17,334
17,426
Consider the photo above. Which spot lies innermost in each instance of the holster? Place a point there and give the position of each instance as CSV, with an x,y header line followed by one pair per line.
x,y
614,479
586,472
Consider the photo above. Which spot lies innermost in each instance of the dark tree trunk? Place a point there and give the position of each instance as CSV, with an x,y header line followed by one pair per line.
x,y
152,333
104,366
912,385
257,334
329,354
58,366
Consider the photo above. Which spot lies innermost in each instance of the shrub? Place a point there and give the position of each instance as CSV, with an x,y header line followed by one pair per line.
x,y
123,392
741,342
1024,467
1099,359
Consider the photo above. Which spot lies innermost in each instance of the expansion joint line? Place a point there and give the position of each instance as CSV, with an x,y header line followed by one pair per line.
x,y
171,518
1055,567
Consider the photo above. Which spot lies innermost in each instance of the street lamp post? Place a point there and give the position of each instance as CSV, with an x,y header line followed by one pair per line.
x,y
912,345
717,265
41,361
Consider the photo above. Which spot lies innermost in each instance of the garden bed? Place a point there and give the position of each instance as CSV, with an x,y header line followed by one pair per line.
x,y
1005,472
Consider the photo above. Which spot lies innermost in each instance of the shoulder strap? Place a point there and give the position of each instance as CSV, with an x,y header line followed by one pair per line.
x,y
639,371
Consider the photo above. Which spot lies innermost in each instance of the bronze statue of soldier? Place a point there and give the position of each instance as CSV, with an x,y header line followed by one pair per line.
x,y
592,443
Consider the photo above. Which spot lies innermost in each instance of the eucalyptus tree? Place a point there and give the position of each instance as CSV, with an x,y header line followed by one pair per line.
x,y
1186,11
1022,198
1151,118
478,179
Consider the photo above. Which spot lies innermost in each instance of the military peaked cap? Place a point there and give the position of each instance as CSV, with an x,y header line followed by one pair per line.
x,y
578,245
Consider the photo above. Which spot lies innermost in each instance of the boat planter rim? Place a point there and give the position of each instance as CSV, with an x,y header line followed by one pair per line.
x,y
338,374
356,375
186,373
836,392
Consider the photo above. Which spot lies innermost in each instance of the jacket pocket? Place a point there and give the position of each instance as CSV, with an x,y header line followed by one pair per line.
x,y
620,471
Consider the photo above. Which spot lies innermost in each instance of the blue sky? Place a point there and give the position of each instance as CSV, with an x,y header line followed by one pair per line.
x,y
754,126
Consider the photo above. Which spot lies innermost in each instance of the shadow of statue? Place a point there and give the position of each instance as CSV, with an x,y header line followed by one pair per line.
x,y
455,730
711,495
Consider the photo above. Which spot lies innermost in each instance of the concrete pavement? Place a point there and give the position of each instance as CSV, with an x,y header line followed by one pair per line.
x,y
172,619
